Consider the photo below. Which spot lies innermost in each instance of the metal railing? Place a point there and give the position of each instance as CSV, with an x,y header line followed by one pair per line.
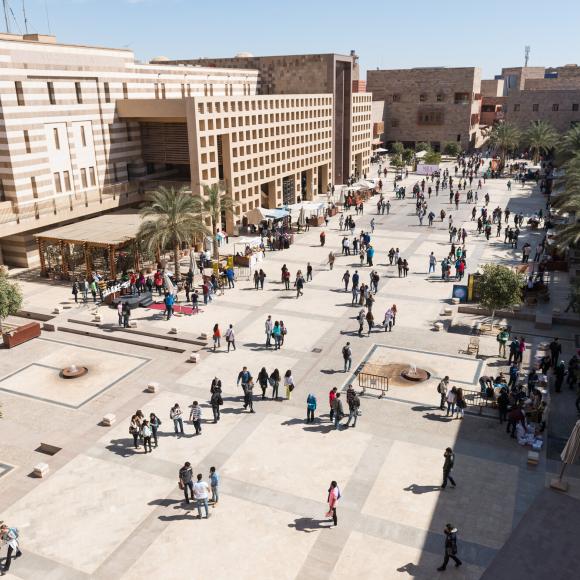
x,y
373,382
478,399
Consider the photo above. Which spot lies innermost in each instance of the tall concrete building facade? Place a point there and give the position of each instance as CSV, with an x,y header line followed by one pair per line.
x,y
435,105
551,95
316,73
87,130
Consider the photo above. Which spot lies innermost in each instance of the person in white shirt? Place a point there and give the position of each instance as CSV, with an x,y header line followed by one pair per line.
x,y
231,337
201,495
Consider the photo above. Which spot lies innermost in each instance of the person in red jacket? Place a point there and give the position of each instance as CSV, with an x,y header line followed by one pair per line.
x,y
331,397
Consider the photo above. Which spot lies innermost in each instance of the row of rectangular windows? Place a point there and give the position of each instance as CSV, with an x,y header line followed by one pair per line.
x,y
439,97
265,104
555,107
216,124
255,148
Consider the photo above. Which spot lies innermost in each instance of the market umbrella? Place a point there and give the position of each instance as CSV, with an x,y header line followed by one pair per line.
x,y
341,198
302,218
568,456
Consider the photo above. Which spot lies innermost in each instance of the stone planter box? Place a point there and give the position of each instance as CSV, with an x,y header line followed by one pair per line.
x,y
21,334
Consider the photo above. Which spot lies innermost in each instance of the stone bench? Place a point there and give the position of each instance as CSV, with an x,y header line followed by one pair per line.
x,y
447,311
152,387
108,419
41,470
438,326
173,331
194,357
533,458
455,301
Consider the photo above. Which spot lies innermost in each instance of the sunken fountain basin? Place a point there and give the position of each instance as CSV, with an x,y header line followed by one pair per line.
x,y
73,372
415,374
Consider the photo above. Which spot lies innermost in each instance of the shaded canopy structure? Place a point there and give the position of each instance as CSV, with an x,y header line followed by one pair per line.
x,y
106,244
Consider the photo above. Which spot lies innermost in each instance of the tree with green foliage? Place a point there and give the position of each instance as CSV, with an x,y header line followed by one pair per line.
x,y
500,287
452,148
408,156
569,145
422,146
10,297
214,202
431,157
505,138
540,137
397,148
171,217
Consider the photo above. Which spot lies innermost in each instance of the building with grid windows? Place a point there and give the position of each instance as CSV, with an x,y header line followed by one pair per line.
x,y
87,130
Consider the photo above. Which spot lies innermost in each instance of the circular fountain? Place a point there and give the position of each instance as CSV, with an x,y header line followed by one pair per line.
x,y
73,372
414,374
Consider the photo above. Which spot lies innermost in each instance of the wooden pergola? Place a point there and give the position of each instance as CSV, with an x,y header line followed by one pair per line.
x,y
108,233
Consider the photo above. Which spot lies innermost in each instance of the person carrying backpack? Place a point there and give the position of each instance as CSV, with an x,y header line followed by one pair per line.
x,y
9,536
347,356
310,408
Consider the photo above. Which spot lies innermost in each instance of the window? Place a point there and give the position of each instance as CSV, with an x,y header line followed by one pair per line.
x,y
79,93
57,182
555,107
183,90
516,108
83,136
51,95
84,177
129,134
115,174
440,97
156,90
34,187
458,137
394,122
56,138
462,98
92,176
125,91
27,141
422,97
107,93
66,175
396,98
19,93
163,96
2,192
536,107
430,118
575,106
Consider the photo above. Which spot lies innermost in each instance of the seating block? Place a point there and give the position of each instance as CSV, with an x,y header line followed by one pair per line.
x,y
533,458
109,419
438,326
194,357
41,470
152,387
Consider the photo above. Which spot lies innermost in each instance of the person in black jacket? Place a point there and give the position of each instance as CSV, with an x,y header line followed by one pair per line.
x,y
447,467
450,547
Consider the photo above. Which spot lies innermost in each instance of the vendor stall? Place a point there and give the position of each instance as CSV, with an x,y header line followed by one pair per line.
x,y
311,212
248,252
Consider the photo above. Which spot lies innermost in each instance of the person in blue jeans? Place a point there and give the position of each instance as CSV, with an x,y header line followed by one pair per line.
x,y
201,496
177,416
185,480
169,301
214,481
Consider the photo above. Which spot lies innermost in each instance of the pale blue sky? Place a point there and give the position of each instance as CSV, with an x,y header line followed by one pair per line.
x,y
385,33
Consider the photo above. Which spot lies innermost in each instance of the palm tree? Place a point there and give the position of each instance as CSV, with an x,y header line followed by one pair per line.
x,y
505,137
214,203
569,145
540,137
568,201
171,218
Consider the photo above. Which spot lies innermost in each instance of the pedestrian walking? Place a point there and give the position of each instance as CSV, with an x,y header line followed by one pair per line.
x,y
177,417
274,381
154,423
451,398
263,381
447,467
216,400
135,430
353,403
201,496
186,480
289,383
195,417
310,408
146,433
442,389
10,537
269,325
217,335
450,547
230,337
333,497
214,482
338,411
331,397
347,356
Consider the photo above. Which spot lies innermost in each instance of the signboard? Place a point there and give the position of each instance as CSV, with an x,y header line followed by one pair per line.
x,y
116,288
472,288
216,267
424,169
460,291
230,262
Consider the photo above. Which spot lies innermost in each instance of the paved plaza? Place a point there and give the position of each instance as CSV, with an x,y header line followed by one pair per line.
x,y
108,511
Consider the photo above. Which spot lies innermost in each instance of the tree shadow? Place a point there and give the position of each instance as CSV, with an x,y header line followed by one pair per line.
x,y
420,489
309,525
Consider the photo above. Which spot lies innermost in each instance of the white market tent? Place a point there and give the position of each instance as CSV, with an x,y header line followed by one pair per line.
x,y
310,208
380,150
